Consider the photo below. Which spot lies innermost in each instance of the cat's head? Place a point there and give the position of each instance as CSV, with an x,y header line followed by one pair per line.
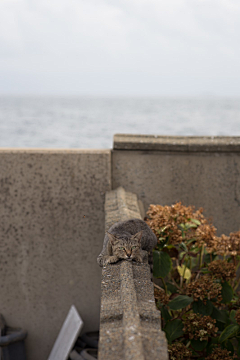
x,y
126,247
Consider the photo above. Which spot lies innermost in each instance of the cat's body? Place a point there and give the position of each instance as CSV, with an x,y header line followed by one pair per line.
x,y
126,240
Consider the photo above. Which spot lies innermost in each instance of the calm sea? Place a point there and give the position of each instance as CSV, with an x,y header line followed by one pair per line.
x,y
84,122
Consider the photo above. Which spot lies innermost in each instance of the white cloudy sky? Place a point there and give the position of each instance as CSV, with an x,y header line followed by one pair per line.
x,y
120,47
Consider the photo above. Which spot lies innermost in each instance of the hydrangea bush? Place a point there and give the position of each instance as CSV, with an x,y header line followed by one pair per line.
x,y
197,294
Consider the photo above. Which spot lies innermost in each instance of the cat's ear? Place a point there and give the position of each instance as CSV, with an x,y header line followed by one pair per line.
x,y
138,236
112,238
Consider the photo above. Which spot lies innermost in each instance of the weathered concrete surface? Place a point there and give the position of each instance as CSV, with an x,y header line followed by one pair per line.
x,y
130,325
119,206
177,143
51,231
205,179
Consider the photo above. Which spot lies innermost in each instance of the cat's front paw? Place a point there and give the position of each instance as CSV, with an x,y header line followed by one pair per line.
x,y
138,259
110,260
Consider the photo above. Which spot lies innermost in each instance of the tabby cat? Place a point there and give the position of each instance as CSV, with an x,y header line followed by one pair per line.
x,y
125,240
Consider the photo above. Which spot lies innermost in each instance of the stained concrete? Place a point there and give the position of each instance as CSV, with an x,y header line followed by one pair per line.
x,y
205,179
130,324
51,231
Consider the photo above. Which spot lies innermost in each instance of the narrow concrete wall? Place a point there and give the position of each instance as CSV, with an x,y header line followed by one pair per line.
x,y
199,171
51,231
130,326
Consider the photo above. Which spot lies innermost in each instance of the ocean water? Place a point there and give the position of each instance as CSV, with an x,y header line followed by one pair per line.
x,y
85,122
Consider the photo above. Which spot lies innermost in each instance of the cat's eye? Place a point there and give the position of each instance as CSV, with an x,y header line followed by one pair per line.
x,y
122,248
133,247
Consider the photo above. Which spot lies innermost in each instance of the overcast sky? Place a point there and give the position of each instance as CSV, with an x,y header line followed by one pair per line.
x,y
120,47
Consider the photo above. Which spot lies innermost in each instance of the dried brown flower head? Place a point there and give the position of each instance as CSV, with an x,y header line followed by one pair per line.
x,y
198,215
200,327
205,234
234,243
165,220
225,245
221,269
220,354
204,288
161,296
237,316
179,351
164,217
218,244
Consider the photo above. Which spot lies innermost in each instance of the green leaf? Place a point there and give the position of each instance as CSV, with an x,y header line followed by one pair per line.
x,y
232,316
210,348
238,351
209,258
204,271
195,250
199,345
190,241
219,315
229,331
195,221
159,305
165,314
214,340
180,302
163,242
183,246
212,343
162,264
221,326
229,346
200,308
172,288
227,292
190,225
195,262
173,330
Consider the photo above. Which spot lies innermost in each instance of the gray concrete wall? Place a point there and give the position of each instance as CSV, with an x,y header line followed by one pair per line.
x,y
52,218
51,231
204,172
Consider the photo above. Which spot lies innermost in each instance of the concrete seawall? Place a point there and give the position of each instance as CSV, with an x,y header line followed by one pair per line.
x,y
51,231
52,218
199,171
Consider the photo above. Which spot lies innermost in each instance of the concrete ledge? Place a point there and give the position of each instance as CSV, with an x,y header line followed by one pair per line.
x,y
119,206
177,143
130,324
52,151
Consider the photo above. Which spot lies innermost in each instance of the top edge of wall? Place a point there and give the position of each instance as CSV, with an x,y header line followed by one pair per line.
x,y
177,143
53,151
